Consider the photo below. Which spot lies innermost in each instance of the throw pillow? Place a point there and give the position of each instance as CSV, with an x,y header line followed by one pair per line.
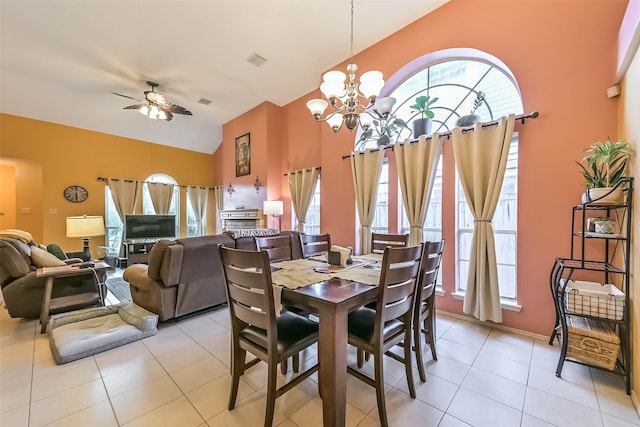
x,y
55,249
42,258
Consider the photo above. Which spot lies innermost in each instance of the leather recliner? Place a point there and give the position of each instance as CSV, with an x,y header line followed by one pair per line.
x,y
23,291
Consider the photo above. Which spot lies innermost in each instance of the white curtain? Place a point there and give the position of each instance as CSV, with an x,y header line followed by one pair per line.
x,y
125,195
365,170
198,197
161,196
218,196
417,164
302,185
481,160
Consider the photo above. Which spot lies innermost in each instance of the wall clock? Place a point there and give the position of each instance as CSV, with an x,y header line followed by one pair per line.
x,y
76,193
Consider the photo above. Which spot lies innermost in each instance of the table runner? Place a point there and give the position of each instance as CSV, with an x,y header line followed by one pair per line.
x,y
364,274
298,264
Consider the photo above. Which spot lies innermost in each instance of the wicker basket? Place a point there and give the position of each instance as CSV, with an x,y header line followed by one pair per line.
x,y
592,341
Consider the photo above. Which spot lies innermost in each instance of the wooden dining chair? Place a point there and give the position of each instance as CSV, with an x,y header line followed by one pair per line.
x,y
376,331
315,244
255,327
380,241
424,316
278,247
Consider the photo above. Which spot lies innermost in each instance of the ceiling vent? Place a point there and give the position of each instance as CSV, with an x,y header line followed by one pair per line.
x,y
256,59
204,101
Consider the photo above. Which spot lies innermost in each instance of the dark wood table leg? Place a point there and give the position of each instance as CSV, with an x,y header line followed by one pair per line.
x,y
332,348
46,301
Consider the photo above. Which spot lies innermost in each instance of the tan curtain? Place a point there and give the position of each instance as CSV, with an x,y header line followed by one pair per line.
x,y
124,195
302,185
161,196
198,197
481,160
218,196
365,169
417,164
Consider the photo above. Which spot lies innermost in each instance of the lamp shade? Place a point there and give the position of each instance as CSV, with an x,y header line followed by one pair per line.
x,y
85,226
273,207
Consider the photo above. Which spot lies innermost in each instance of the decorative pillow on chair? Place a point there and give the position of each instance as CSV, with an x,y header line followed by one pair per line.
x,y
42,258
56,250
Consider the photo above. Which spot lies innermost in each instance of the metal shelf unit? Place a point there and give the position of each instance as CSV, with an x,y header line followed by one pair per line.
x,y
613,266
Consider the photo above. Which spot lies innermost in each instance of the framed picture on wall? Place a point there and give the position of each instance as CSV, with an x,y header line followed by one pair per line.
x,y
243,155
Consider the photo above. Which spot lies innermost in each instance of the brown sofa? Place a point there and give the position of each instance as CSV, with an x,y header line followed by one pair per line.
x,y
23,291
185,275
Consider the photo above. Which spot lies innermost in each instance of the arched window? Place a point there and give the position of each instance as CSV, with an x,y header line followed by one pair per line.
x,y
147,205
456,77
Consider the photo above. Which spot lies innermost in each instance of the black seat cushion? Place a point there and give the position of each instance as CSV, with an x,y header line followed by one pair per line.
x,y
294,331
362,321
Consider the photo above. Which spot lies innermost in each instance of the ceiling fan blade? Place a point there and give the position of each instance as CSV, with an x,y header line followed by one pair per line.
x,y
176,109
134,107
125,96
168,114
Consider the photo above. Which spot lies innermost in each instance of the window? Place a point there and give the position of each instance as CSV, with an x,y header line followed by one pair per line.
x,y
192,222
456,76
432,230
312,223
147,205
381,216
113,224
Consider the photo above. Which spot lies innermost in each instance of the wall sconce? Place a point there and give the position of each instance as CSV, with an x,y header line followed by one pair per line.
x,y
257,184
230,189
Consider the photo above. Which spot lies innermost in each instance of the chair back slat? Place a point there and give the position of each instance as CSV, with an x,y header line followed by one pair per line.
x,y
381,241
315,244
398,279
278,247
249,287
431,259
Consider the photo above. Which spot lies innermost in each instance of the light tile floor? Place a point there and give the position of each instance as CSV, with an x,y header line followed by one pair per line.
x,y
180,377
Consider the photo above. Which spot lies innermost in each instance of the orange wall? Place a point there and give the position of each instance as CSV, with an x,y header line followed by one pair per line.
x,y
52,157
563,68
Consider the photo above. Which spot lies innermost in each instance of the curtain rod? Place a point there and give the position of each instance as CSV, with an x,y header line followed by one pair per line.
x,y
308,169
152,182
522,119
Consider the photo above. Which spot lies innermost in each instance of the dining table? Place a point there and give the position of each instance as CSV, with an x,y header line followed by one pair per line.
x,y
332,299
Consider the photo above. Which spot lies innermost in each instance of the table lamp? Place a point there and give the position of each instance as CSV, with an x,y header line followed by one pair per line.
x,y
274,208
85,227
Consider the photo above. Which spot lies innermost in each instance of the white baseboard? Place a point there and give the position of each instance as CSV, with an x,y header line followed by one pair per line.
x,y
493,325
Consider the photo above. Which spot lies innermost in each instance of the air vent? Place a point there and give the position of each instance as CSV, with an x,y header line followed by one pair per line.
x,y
204,101
256,59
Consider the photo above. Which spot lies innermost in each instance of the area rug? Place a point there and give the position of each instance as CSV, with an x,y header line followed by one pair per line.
x,y
119,288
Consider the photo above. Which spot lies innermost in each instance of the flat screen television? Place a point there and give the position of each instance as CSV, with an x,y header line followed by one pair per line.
x,y
149,226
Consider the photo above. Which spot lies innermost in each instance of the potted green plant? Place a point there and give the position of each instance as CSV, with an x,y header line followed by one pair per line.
x,y
472,118
602,169
422,126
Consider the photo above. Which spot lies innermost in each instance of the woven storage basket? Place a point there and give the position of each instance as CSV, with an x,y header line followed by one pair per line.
x,y
592,341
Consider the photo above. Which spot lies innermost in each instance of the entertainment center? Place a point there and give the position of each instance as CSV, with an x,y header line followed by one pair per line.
x,y
141,232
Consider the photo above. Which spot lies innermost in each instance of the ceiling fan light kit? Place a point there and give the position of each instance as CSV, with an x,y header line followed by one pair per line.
x,y
155,106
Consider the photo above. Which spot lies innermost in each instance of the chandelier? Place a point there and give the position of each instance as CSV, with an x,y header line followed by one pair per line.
x,y
344,96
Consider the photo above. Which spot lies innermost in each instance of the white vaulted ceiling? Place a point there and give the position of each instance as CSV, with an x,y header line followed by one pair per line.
x,y
60,60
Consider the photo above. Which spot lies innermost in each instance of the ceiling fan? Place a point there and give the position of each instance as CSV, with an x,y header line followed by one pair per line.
x,y
155,105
